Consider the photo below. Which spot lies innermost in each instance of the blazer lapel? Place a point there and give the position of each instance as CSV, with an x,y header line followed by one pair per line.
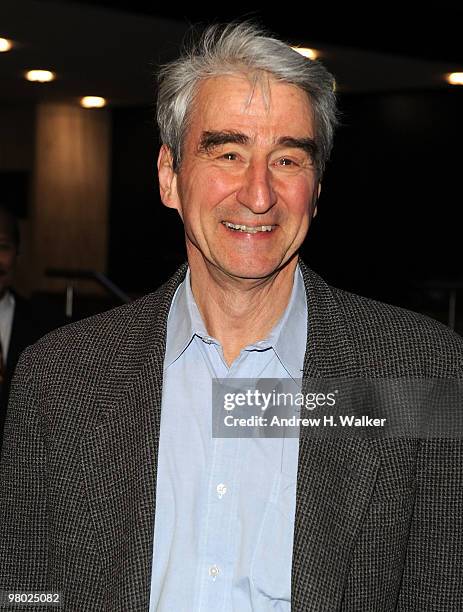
x,y
336,477
119,456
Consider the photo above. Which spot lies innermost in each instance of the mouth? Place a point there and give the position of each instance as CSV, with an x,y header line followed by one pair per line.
x,y
248,229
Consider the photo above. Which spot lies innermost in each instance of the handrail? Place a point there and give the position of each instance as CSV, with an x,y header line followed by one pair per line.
x,y
92,275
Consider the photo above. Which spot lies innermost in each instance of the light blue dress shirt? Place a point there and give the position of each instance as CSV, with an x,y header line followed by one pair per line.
x,y
225,507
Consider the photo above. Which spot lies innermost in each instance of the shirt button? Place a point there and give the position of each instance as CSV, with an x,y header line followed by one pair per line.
x,y
221,490
214,571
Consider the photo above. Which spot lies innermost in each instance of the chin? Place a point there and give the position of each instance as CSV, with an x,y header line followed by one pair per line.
x,y
251,270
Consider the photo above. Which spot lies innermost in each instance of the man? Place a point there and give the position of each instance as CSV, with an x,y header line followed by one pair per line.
x,y
115,494
20,323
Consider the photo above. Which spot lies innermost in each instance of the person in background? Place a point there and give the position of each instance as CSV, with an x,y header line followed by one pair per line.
x,y
21,323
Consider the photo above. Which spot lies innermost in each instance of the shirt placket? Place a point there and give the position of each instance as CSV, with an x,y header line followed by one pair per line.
x,y
217,549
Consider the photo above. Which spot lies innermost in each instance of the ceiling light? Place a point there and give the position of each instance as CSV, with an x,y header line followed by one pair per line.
x,y
5,45
92,102
455,78
40,76
306,52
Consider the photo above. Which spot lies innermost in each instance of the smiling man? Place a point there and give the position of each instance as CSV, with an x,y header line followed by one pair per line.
x,y
246,193
114,492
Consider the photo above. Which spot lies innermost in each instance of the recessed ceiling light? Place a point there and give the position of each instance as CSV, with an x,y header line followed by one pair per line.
x,y
5,45
40,76
92,102
306,52
455,78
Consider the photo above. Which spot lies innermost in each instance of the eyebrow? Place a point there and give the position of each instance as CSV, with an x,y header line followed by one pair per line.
x,y
210,140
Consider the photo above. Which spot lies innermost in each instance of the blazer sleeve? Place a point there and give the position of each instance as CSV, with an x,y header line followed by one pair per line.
x,y
23,493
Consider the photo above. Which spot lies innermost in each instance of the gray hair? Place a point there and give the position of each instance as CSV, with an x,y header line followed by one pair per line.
x,y
242,48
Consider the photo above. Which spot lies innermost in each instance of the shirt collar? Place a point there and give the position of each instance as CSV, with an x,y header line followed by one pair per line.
x,y
7,301
288,337
183,323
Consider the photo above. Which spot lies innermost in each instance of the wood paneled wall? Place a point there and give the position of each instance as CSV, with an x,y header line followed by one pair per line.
x,y
69,216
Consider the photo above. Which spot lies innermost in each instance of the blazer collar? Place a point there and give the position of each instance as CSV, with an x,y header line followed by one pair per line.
x,y
336,477
119,455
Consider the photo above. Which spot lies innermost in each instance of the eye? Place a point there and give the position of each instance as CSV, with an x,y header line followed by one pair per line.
x,y
229,156
284,161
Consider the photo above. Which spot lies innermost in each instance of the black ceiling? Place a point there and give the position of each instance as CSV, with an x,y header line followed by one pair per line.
x,y
431,31
112,48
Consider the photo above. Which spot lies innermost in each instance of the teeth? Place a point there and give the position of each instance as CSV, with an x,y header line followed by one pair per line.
x,y
247,229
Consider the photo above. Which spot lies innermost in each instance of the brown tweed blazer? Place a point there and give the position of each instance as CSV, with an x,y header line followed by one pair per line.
x,y
379,522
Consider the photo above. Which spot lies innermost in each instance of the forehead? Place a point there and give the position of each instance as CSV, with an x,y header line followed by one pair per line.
x,y
265,107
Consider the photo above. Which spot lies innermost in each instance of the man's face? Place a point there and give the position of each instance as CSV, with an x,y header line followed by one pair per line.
x,y
8,254
246,161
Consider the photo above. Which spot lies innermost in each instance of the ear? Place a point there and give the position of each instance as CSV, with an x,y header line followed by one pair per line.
x,y
318,195
167,179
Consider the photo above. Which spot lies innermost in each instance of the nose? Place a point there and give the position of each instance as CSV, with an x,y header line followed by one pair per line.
x,y
257,191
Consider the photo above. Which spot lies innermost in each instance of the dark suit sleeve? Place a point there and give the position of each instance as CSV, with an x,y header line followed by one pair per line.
x,y
23,495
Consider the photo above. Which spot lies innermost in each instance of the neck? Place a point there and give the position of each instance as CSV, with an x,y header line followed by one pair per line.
x,y
239,312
